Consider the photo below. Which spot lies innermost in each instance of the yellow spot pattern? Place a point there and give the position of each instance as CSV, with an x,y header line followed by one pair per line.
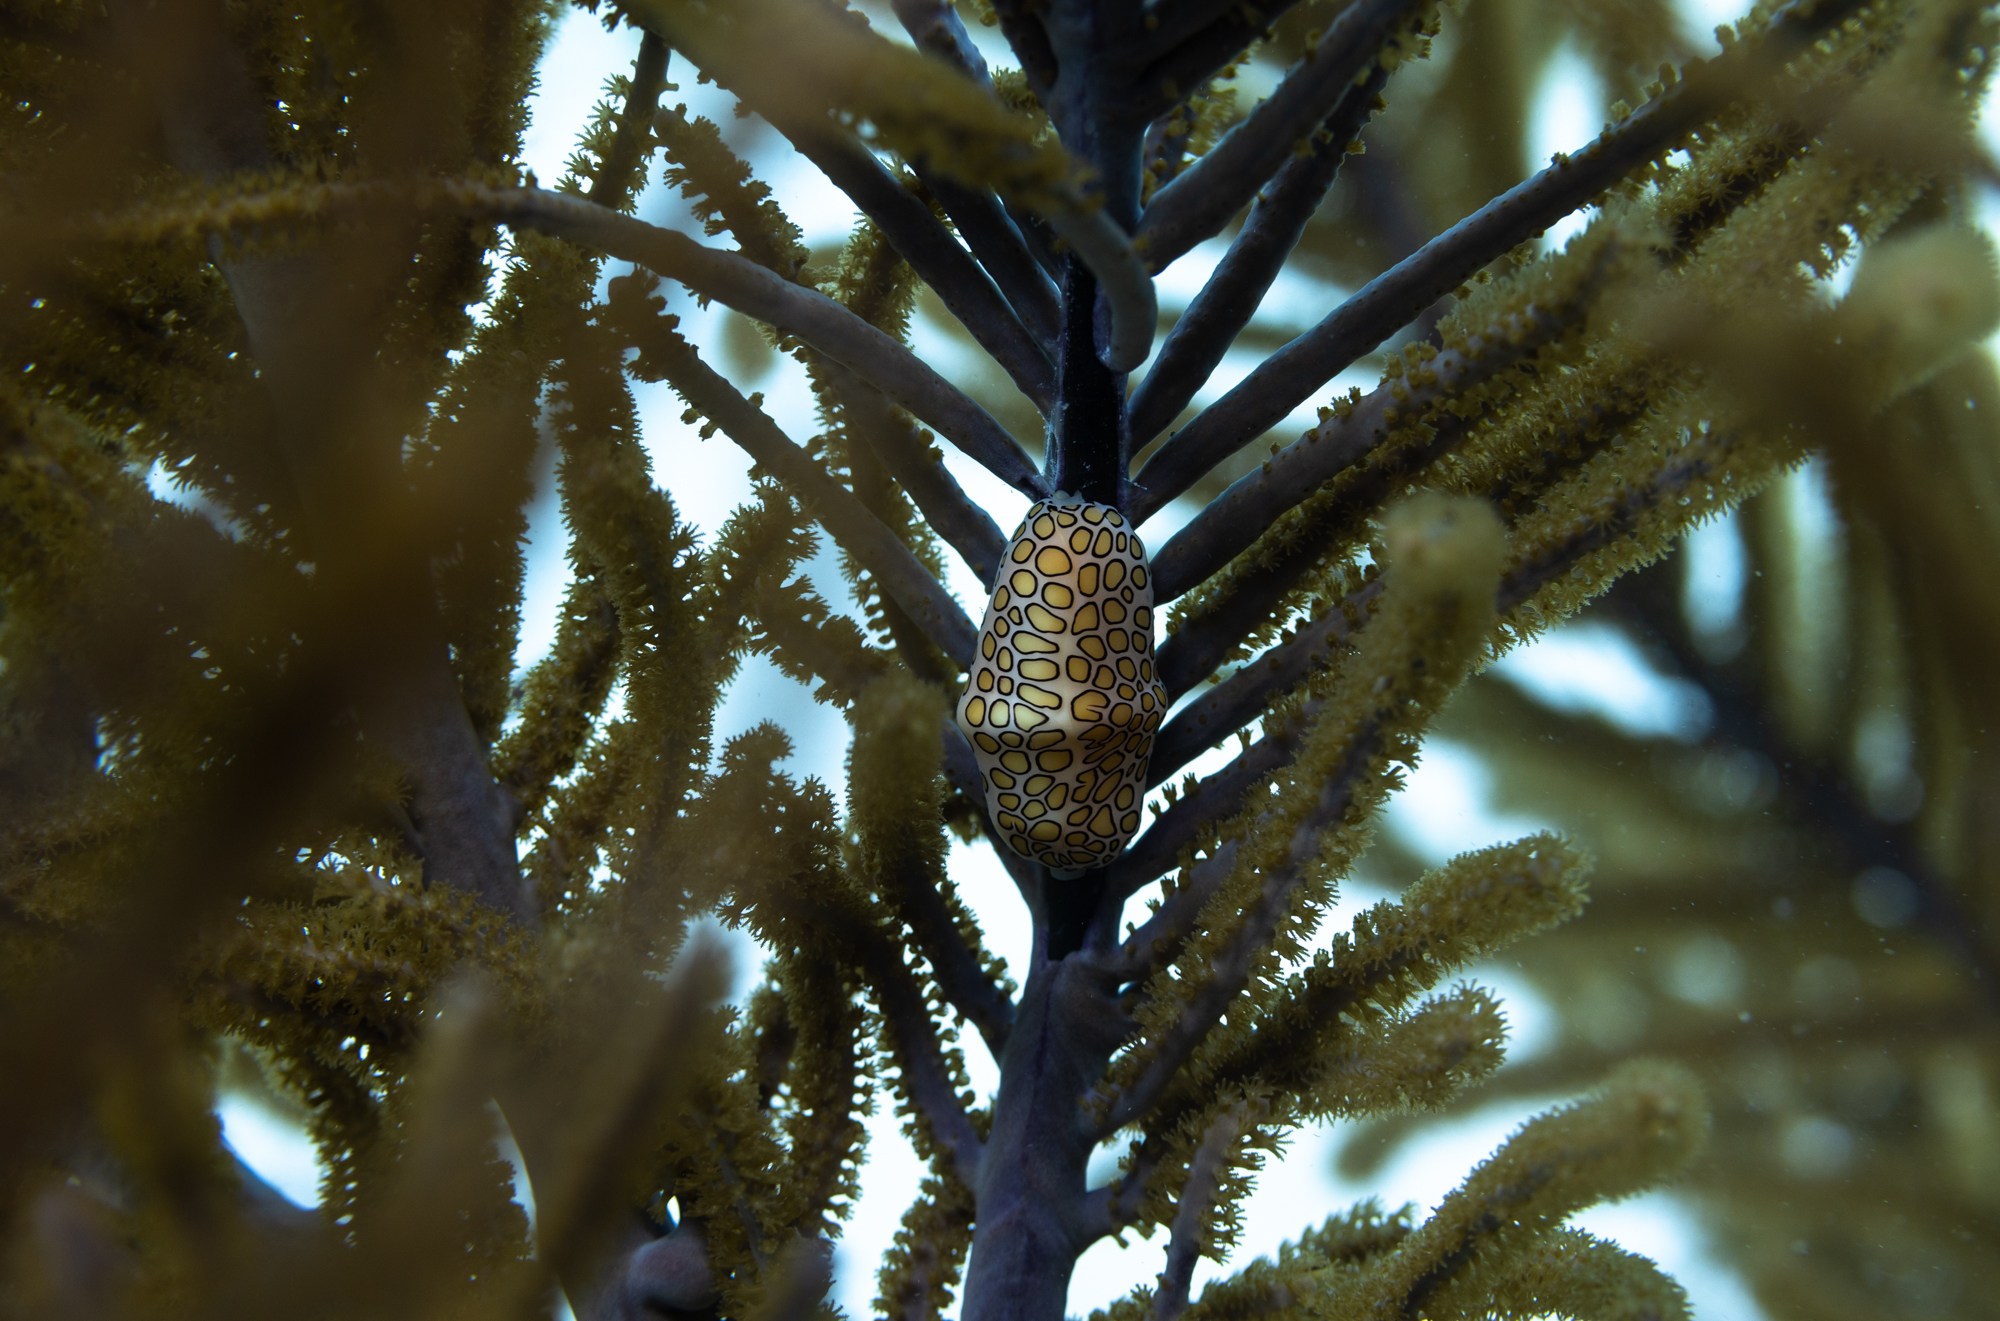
x,y
1071,700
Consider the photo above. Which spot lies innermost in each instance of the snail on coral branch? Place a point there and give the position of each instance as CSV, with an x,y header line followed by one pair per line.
x,y
1062,702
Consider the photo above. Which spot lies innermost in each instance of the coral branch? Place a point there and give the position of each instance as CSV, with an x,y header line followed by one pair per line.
x,y
1389,301
1241,698
808,641
307,320
1086,441
996,241
957,280
1026,1238
1649,1121
1197,1200
919,1270
1251,504
1230,298
619,178
1123,280
1206,35
562,696
859,532
936,27
1200,202
926,1078
994,236
1449,396
1230,972
894,798
1021,24
806,62
1564,1272
1216,798
909,459
754,291
1444,555
1473,905
960,976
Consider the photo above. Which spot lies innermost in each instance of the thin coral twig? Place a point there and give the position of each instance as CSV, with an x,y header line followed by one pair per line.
x,y
916,900
1164,154
1230,297
960,284
749,288
1205,36
1201,201
1241,698
1123,280
926,1079
620,177
1213,799
1159,939
1389,301
1205,640
951,513
1170,24
959,974
936,27
1021,24
995,237
1197,1200
851,524
1233,520
1233,704
1229,973
997,243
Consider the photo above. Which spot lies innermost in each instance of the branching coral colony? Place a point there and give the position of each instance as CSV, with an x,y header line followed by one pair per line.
x,y
279,813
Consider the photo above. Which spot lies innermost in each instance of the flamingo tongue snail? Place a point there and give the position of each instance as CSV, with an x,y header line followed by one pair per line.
x,y
1062,702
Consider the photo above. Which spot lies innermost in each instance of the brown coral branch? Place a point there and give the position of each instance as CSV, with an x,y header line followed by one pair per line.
x,y
1190,41
1201,200
1197,1201
1230,972
960,284
1289,376
621,174
857,530
908,458
1226,303
749,288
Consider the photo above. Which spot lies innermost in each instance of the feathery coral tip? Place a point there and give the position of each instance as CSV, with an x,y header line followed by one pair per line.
x,y
1062,702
